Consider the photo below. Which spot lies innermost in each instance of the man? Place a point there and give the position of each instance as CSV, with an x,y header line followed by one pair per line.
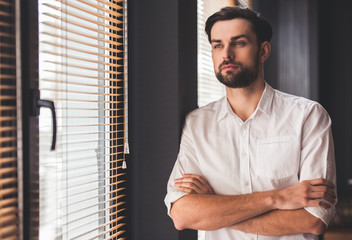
x,y
258,163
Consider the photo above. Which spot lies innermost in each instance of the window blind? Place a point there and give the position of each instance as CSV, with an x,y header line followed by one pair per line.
x,y
9,213
82,52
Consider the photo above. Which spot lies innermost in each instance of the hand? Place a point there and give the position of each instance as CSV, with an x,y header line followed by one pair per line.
x,y
192,183
310,193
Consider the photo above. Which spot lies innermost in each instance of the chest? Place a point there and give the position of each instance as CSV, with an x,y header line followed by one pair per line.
x,y
247,158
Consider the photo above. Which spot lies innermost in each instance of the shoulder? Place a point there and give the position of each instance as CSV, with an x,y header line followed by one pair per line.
x,y
205,114
289,102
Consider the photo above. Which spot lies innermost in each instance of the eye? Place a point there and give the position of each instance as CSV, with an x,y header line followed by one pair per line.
x,y
217,46
239,43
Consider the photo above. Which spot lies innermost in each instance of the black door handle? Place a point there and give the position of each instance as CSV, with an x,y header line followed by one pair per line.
x,y
51,106
37,104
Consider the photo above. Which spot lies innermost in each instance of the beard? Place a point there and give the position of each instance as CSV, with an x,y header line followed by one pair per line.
x,y
243,78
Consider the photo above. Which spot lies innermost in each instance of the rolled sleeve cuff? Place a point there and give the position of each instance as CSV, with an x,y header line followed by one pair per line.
x,y
172,196
324,214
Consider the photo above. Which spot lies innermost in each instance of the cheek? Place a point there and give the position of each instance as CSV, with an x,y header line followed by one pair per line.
x,y
216,62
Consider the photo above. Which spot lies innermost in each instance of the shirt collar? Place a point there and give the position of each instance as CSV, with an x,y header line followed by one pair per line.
x,y
264,104
223,111
265,101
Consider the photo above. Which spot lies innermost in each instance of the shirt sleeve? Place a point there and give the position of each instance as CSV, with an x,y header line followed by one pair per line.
x,y
186,162
317,155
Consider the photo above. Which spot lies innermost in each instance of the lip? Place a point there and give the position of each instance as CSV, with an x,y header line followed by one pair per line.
x,y
229,67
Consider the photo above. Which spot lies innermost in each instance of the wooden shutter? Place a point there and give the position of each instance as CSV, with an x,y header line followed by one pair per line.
x,y
9,214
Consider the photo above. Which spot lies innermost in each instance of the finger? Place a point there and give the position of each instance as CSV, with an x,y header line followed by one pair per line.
x,y
322,195
203,186
189,185
185,189
200,178
324,189
195,186
190,180
323,182
318,203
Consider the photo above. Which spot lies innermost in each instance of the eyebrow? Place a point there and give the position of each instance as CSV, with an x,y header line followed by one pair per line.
x,y
232,39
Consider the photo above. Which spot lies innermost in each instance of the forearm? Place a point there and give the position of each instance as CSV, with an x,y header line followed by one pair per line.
x,y
211,212
282,222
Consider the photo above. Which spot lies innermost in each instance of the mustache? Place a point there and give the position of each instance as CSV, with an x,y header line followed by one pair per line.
x,y
227,62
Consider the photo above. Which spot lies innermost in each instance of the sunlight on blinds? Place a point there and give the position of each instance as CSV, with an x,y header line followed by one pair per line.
x,y
82,69
9,219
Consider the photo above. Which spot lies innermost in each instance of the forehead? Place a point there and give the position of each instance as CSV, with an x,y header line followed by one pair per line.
x,y
227,29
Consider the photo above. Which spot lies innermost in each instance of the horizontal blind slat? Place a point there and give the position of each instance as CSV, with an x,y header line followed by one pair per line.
x,y
6,108
6,220
7,192
8,232
6,181
7,160
7,149
7,139
72,187
7,211
81,58
74,159
79,50
5,3
9,35
8,170
75,100
69,82
7,202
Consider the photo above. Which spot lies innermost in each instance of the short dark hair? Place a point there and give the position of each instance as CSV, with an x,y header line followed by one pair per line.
x,y
260,26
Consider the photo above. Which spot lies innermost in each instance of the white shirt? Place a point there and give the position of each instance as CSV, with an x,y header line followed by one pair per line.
x,y
286,140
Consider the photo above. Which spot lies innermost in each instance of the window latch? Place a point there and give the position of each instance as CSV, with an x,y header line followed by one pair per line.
x,y
37,104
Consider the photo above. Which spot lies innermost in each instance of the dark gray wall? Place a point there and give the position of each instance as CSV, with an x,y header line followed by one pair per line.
x,y
162,88
335,74
292,66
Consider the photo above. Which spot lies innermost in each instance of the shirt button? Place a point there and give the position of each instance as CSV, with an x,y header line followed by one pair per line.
x,y
246,183
244,155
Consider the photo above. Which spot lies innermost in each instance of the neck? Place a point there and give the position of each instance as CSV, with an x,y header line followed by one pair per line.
x,y
244,101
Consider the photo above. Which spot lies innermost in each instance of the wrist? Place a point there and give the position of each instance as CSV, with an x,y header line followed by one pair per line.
x,y
276,199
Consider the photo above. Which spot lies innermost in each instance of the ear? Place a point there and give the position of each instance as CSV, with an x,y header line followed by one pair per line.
x,y
265,50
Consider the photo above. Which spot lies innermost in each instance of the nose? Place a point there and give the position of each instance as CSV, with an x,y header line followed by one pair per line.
x,y
228,53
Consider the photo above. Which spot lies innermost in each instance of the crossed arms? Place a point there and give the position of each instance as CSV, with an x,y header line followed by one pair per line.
x,y
264,213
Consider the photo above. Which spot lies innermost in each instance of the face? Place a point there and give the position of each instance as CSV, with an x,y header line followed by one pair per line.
x,y
235,53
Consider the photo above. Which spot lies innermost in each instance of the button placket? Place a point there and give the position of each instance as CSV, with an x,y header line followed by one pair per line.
x,y
245,180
